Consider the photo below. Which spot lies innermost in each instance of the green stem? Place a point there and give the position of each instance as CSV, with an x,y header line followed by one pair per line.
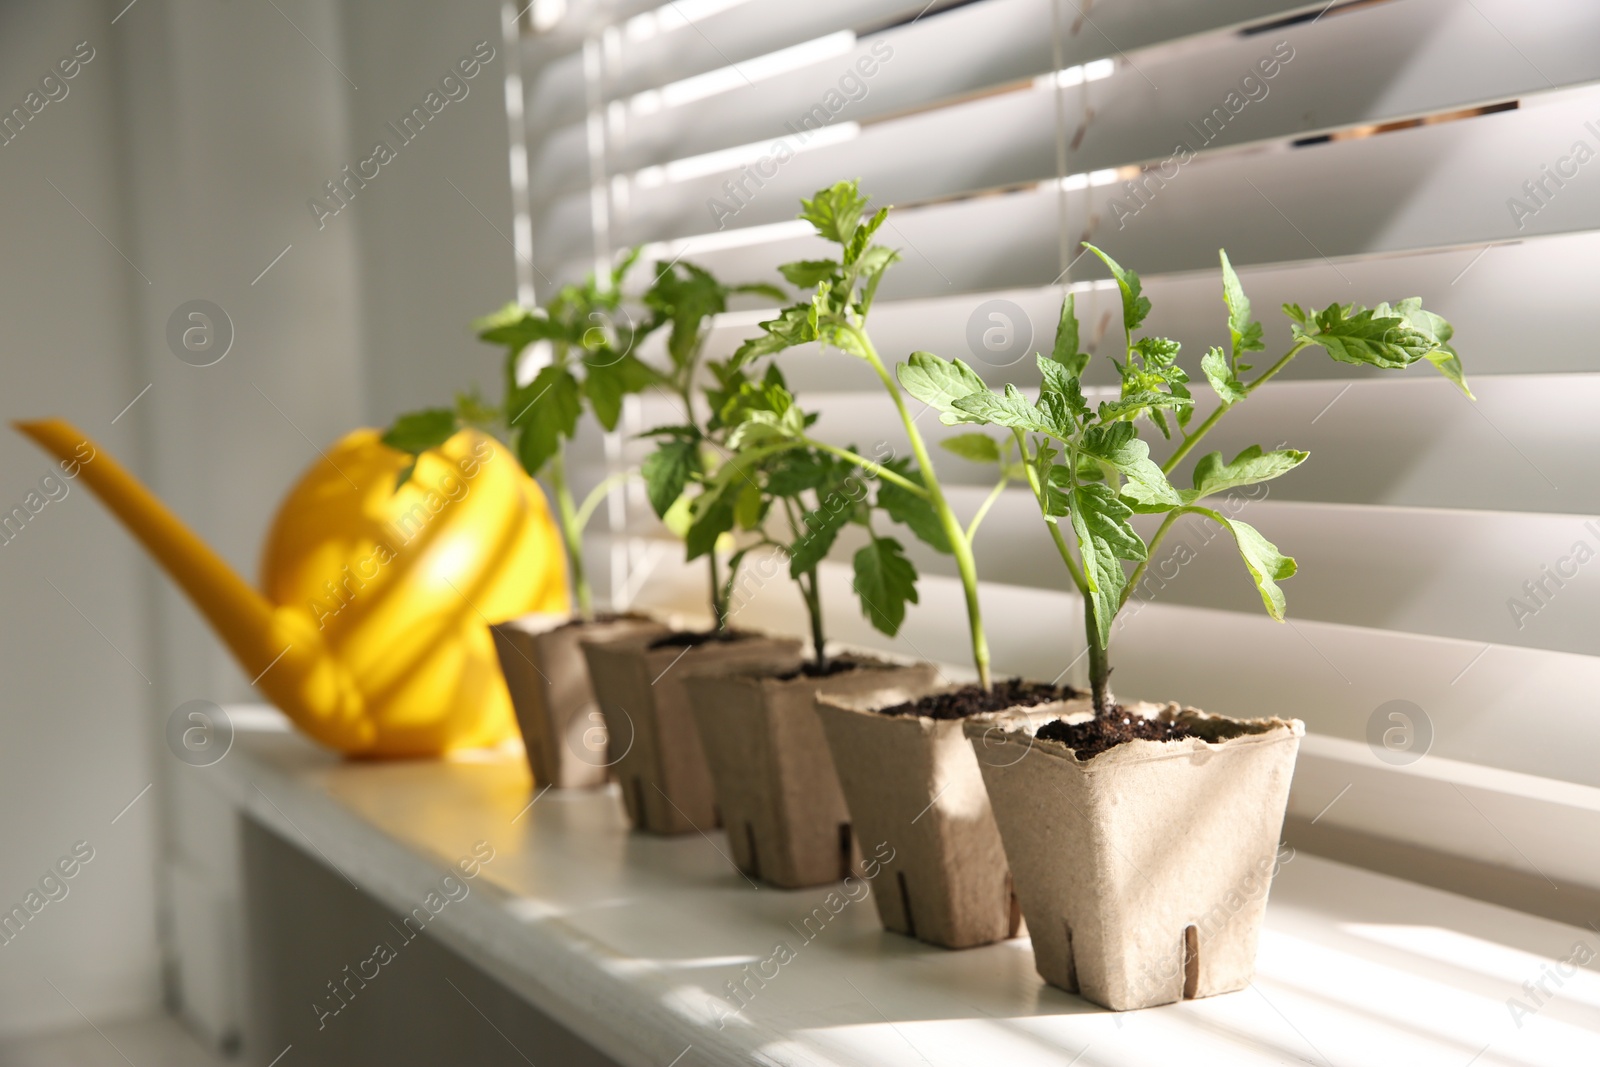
x,y
960,547
876,470
719,607
571,529
1099,663
1044,509
811,593
983,509
1149,554
1222,409
586,510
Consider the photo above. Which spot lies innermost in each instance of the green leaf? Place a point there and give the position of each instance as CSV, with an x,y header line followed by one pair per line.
x,y
793,326
1219,372
939,383
822,525
1135,306
667,470
1100,522
886,581
1249,467
605,384
1134,404
793,472
1118,446
1244,331
809,273
712,516
1012,410
1267,566
1439,329
545,410
977,447
760,289
911,510
835,211
418,431
1066,351
1373,337
517,328
863,234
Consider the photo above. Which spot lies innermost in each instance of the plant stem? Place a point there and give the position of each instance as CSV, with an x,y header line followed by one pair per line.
x,y
571,530
719,609
983,509
877,470
960,547
1044,509
812,595
1150,554
1204,428
591,502
1099,664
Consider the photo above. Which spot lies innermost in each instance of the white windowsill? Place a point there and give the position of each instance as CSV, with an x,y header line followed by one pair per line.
x,y
629,941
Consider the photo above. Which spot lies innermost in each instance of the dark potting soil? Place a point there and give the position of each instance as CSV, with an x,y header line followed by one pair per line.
x,y
599,617
696,638
972,700
810,669
1089,739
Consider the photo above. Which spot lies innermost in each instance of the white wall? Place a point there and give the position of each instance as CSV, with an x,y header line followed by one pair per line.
x,y
76,748
193,141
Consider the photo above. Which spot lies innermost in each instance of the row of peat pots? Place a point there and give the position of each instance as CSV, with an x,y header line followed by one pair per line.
x,y
1141,868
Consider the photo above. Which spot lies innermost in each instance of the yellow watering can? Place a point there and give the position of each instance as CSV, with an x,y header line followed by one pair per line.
x,y
372,628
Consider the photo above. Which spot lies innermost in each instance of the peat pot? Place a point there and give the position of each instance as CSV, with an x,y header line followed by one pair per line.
x,y
785,815
562,728
653,747
914,782
1142,871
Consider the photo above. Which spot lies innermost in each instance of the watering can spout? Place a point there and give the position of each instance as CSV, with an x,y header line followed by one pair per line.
x,y
278,646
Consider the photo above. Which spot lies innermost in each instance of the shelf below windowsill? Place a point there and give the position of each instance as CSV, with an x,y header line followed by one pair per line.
x,y
630,941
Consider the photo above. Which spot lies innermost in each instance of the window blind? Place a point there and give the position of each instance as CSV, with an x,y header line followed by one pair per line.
x,y
1449,552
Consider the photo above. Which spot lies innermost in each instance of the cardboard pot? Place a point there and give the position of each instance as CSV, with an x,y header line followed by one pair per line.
x,y
652,744
913,782
786,818
1143,871
562,728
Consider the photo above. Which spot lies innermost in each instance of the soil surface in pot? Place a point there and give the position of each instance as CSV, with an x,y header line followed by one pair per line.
x,y
1089,739
695,638
599,617
972,700
809,669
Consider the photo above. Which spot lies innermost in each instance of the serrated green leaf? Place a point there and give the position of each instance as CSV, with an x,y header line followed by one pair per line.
x,y
1372,337
1226,384
808,273
418,431
835,211
1135,305
1244,331
1118,446
1100,523
1015,411
1439,329
794,325
750,507
939,383
886,581
977,447
667,471
1065,351
1267,566
1249,467
863,234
